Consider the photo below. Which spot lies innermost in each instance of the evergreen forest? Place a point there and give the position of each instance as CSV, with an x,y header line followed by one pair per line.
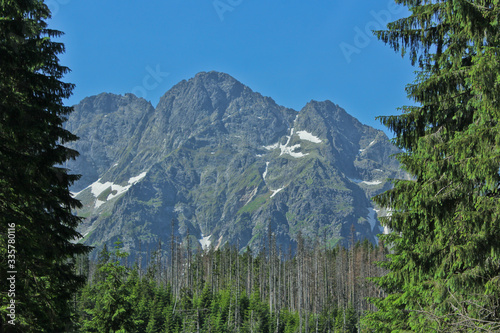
x,y
438,270
220,290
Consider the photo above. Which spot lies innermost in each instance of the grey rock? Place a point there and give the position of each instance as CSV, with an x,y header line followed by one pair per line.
x,y
216,159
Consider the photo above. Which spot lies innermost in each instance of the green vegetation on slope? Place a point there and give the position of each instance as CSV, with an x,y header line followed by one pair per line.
x,y
318,290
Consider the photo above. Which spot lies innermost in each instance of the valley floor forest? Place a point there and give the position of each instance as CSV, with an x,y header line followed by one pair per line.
x,y
316,290
438,272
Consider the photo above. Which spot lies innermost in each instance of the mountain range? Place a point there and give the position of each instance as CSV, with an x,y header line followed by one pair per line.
x,y
216,163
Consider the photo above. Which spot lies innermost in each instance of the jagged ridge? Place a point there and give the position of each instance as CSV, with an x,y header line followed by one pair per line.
x,y
224,162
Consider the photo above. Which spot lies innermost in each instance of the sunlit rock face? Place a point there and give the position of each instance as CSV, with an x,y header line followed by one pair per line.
x,y
217,163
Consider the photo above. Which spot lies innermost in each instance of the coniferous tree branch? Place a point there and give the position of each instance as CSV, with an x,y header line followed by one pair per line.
x,y
34,188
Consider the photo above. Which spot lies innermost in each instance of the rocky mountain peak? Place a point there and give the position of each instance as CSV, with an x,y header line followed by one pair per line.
x,y
224,163
206,90
219,82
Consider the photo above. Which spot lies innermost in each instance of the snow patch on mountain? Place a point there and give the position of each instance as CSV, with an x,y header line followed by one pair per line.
x,y
265,172
306,136
371,144
373,182
291,151
367,182
272,147
285,149
97,188
136,179
276,191
99,203
205,241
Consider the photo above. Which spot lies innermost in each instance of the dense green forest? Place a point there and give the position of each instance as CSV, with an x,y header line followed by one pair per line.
x,y
443,270
220,290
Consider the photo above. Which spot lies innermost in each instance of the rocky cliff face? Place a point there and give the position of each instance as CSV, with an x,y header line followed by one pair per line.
x,y
219,163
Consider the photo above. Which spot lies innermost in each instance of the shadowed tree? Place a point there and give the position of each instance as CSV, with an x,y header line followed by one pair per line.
x,y
34,191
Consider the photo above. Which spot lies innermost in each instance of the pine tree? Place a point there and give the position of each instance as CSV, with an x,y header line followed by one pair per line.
x,y
445,262
35,201
113,309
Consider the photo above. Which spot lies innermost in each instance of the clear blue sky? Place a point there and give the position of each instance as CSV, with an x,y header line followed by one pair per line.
x,y
290,50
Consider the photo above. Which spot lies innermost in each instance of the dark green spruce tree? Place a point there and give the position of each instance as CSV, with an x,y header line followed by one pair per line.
x,y
110,296
445,262
35,202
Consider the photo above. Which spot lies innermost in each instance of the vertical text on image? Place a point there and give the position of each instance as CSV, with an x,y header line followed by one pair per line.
x,y
11,272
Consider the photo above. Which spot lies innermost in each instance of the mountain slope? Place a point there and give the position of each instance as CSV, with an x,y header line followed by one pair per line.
x,y
220,163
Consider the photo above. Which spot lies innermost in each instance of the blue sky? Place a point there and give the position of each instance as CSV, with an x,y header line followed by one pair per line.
x,y
293,51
